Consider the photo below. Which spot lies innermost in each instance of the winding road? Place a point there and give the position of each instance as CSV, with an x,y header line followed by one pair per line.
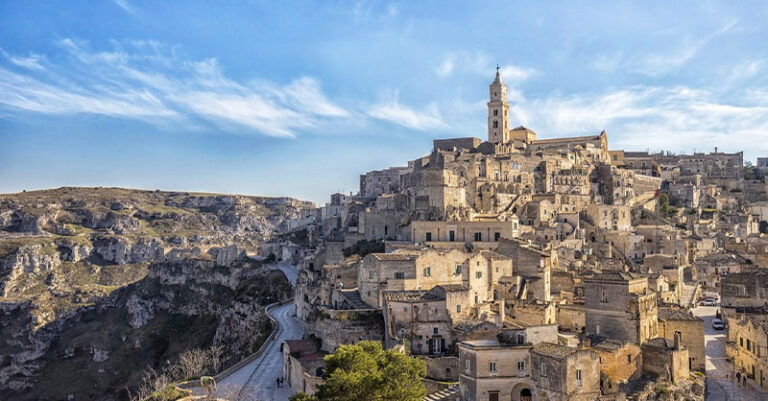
x,y
256,381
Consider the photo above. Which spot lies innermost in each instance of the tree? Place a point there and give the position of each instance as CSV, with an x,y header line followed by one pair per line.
x,y
365,371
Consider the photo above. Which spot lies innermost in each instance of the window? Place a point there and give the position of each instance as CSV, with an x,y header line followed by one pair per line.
x,y
492,367
478,237
495,112
386,230
578,377
427,271
370,275
521,365
629,358
434,330
604,297
543,370
749,345
458,308
741,342
478,274
428,236
405,309
496,236
399,275
466,365
495,124
458,269
451,236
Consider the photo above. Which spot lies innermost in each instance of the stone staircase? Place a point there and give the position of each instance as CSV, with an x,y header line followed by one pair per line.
x,y
689,295
354,299
449,394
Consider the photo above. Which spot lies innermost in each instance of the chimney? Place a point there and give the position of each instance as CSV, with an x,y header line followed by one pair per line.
x,y
502,312
677,341
715,149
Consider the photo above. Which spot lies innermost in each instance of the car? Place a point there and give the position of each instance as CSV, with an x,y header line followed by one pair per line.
x,y
708,302
717,324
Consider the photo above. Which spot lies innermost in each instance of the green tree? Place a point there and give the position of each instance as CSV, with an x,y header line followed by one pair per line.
x,y
365,371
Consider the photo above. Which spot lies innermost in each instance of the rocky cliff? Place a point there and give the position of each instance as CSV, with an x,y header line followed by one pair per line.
x,y
152,272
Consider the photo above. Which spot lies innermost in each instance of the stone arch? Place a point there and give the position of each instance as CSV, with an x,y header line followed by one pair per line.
x,y
523,391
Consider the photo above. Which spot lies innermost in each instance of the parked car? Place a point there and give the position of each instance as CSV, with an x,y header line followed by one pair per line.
x,y
717,324
708,302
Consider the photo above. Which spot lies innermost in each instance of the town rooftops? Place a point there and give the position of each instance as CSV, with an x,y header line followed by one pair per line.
x,y
395,257
454,287
613,275
605,344
663,343
568,139
411,296
555,350
676,314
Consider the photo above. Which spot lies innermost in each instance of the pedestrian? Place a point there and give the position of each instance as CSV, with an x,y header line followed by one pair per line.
x,y
278,382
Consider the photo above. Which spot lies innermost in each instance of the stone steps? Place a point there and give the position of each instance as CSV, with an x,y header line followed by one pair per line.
x,y
449,394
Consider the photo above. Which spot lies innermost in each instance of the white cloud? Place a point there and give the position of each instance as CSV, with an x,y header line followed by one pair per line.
x,y
445,68
479,63
516,74
126,6
393,111
144,80
661,64
747,69
32,62
677,119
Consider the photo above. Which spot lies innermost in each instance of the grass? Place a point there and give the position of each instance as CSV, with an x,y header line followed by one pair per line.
x,y
170,393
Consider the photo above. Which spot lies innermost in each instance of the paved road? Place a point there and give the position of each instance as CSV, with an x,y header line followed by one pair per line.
x,y
256,380
719,371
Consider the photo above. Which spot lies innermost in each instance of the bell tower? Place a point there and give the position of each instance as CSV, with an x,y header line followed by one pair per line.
x,y
498,111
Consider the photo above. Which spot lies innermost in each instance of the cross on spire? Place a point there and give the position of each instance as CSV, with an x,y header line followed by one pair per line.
x,y
497,68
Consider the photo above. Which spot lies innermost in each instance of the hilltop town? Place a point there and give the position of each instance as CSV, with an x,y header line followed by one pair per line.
x,y
521,269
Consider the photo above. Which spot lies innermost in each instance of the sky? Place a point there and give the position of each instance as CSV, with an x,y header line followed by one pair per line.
x,y
298,98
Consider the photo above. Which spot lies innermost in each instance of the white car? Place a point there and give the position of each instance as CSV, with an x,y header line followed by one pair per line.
x,y
708,302
717,324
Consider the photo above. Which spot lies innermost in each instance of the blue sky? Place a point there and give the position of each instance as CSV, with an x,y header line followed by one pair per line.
x,y
299,98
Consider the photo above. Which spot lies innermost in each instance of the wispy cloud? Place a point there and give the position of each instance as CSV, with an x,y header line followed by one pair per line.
x,y
125,5
445,68
663,63
479,63
393,111
678,118
146,81
32,62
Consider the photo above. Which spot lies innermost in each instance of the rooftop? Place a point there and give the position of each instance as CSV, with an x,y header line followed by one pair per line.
x,y
676,314
411,296
555,350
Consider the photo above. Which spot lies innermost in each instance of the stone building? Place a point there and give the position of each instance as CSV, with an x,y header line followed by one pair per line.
x,y
665,359
690,329
303,365
748,346
419,317
620,361
379,182
464,231
563,373
619,305
493,371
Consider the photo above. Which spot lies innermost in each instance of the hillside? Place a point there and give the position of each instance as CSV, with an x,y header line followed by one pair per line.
x,y
128,275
